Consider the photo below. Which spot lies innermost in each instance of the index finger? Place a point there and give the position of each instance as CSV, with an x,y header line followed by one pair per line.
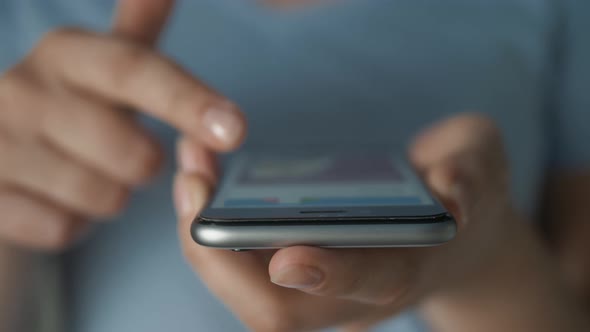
x,y
134,76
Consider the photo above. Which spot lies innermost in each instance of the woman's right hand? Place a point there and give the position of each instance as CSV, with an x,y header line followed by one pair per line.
x,y
70,152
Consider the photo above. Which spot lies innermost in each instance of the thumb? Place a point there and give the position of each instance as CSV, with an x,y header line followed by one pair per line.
x,y
141,20
374,276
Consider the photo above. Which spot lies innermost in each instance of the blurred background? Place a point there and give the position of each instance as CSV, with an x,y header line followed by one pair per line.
x,y
341,72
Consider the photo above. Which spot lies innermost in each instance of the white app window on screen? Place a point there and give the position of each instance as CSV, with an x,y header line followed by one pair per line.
x,y
320,180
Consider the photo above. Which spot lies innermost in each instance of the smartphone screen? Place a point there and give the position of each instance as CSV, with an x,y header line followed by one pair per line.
x,y
316,180
373,196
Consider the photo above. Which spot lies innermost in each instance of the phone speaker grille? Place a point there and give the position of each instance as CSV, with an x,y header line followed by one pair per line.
x,y
324,211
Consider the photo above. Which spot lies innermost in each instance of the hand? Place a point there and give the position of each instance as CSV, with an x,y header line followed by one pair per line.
x,y
70,150
305,288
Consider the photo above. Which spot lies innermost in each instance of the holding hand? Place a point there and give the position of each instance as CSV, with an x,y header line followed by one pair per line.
x,y
304,288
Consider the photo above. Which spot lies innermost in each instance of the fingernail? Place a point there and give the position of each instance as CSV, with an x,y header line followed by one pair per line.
x,y
297,277
224,123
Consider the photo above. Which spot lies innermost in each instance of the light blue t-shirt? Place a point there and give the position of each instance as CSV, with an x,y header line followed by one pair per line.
x,y
384,69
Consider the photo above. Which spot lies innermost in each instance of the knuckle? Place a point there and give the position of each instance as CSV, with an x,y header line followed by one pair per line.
x,y
347,287
13,85
18,113
342,286
129,63
395,296
98,196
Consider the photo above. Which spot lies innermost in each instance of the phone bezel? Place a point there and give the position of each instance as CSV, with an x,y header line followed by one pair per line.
x,y
402,213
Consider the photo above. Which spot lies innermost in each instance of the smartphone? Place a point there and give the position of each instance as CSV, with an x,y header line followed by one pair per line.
x,y
328,197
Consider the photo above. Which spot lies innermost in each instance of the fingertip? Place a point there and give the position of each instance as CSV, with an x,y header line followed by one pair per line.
x,y
191,193
194,158
225,126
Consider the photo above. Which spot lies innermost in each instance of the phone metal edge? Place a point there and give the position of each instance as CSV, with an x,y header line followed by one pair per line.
x,y
369,235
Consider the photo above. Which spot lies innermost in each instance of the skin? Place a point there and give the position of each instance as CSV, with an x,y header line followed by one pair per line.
x,y
57,174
